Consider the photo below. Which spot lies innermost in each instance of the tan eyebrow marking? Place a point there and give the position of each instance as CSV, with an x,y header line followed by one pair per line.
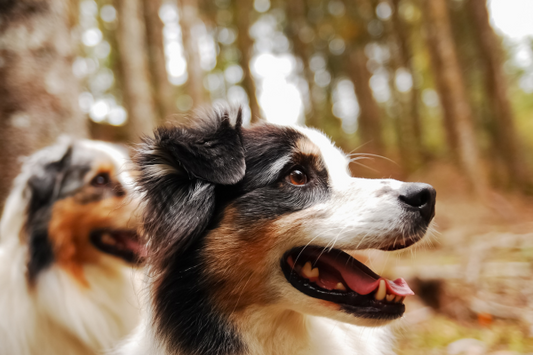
x,y
305,146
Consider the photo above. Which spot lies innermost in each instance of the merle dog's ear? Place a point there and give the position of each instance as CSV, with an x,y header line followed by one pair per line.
x,y
44,187
179,169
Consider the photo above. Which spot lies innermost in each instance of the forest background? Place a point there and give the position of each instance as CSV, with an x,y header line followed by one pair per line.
x,y
416,90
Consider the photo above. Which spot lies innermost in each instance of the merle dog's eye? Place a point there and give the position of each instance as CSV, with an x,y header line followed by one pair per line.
x,y
298,177
101,179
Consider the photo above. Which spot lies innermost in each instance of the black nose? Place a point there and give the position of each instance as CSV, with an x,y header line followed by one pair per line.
x,y
421,197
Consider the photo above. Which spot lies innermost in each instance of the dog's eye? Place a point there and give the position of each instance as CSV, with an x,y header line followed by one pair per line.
x,y
298,177
101,179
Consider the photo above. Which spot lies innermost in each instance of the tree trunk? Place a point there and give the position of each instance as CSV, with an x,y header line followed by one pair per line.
x,y
136,80
188,18
504,132
38,92
296,10
446,103
400,115
411,119
163,90
243,12
369,124
451,88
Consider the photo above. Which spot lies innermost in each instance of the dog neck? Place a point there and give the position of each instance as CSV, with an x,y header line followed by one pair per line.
x,y
267,330
270,330
275,331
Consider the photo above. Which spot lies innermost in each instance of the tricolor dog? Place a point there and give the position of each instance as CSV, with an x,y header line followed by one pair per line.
x,y
249,233
68,244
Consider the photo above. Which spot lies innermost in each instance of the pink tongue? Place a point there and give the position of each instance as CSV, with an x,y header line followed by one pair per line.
x,y
362,286
134,246
137,248
362,283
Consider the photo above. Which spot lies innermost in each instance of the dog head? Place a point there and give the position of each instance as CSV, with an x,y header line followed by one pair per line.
x,y
73,206
240,219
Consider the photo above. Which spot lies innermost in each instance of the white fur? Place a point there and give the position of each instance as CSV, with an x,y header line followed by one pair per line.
x,y
357,216
58,315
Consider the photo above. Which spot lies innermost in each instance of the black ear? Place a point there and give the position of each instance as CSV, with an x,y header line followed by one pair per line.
x,y
179,169
43,186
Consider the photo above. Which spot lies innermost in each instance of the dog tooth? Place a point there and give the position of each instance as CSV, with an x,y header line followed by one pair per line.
x,y
397,299
381,292
390,298
306,270
315,272
107,239
401,299
340,286
309,272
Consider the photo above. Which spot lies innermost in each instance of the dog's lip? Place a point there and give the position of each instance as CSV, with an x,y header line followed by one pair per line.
x,y
401,243
363,301
123,243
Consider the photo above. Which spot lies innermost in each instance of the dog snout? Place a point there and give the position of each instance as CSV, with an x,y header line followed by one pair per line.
x,y
420,197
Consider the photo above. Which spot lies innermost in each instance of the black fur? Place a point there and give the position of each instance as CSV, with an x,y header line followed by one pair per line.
x,y
186,319
272,198
189,176
181,201
179,206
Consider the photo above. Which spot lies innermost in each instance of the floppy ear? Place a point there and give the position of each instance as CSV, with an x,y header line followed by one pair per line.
x,y
179,169
44,187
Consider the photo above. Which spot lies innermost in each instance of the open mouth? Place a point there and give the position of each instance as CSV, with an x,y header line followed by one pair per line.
x,y
124,244
334,276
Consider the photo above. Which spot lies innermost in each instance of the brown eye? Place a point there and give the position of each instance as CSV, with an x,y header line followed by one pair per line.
x,y
101,179
298,178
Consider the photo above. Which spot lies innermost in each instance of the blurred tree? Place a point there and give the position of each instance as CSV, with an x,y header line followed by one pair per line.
x,y
505,139
164,92
451,88
398,111
296,28
131,35
369,122
188,19
373,43
38,93
410,128
310,36
243,13
369,125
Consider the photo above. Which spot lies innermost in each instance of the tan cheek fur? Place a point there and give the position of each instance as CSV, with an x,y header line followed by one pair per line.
x,y
71,224
238,268
240,262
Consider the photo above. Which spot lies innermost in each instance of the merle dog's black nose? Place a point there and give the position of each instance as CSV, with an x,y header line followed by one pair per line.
x,y
421,197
